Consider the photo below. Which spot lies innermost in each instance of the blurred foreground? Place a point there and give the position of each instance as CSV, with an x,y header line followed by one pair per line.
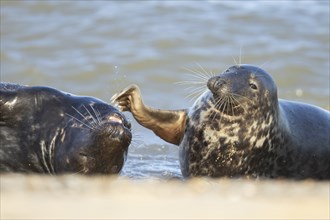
x,y
80,197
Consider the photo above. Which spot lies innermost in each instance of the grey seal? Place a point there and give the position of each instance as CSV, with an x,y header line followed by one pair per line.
x,y
44,130
239,128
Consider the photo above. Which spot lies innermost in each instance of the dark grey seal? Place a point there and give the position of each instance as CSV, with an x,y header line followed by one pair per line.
x,y
239,128
43,130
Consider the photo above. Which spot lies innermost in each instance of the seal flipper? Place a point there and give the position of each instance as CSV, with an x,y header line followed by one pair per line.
x,y
167,124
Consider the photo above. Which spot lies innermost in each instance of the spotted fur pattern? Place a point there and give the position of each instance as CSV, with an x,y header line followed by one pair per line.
x,y
258,143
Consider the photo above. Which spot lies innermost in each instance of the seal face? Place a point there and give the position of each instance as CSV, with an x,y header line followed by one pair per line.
x,y
44,130
239,127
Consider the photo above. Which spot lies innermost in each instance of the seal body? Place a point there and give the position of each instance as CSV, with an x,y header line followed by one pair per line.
x,y
239,128
234,130
43,130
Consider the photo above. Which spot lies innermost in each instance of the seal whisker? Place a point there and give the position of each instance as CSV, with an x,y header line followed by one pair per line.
x,y
262,65
206,73
235,61
197,78
212,73
197,85
235,101
80,121
93,119
197,74
83,116
190,88
213,115
195,93
193,71
200,75
239,63
227,104
190,82
235,94
222,107
239,103
218,103
232,104
96,115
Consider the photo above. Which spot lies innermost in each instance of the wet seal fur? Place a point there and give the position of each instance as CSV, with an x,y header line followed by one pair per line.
x,y
43,130
239,128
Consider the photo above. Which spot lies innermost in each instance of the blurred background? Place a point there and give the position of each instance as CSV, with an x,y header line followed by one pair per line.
x,y
97,48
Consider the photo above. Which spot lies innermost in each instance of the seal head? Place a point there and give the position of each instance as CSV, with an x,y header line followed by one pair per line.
x,y
44,130
99,146
229,122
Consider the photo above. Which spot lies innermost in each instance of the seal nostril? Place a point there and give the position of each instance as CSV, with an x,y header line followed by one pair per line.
x,y
83,154
116,118
215,84
219,84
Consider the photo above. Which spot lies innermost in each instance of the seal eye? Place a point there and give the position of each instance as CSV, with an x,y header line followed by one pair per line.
x,y
253,86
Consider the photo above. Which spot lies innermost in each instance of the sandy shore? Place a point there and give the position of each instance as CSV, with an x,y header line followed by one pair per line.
x,y
79,197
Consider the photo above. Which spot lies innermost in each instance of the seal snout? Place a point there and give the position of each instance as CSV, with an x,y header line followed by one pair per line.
x,y
117,119
116,126
215,84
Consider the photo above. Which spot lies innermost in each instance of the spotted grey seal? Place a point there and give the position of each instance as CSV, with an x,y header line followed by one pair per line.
x,y
239,128
43,130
